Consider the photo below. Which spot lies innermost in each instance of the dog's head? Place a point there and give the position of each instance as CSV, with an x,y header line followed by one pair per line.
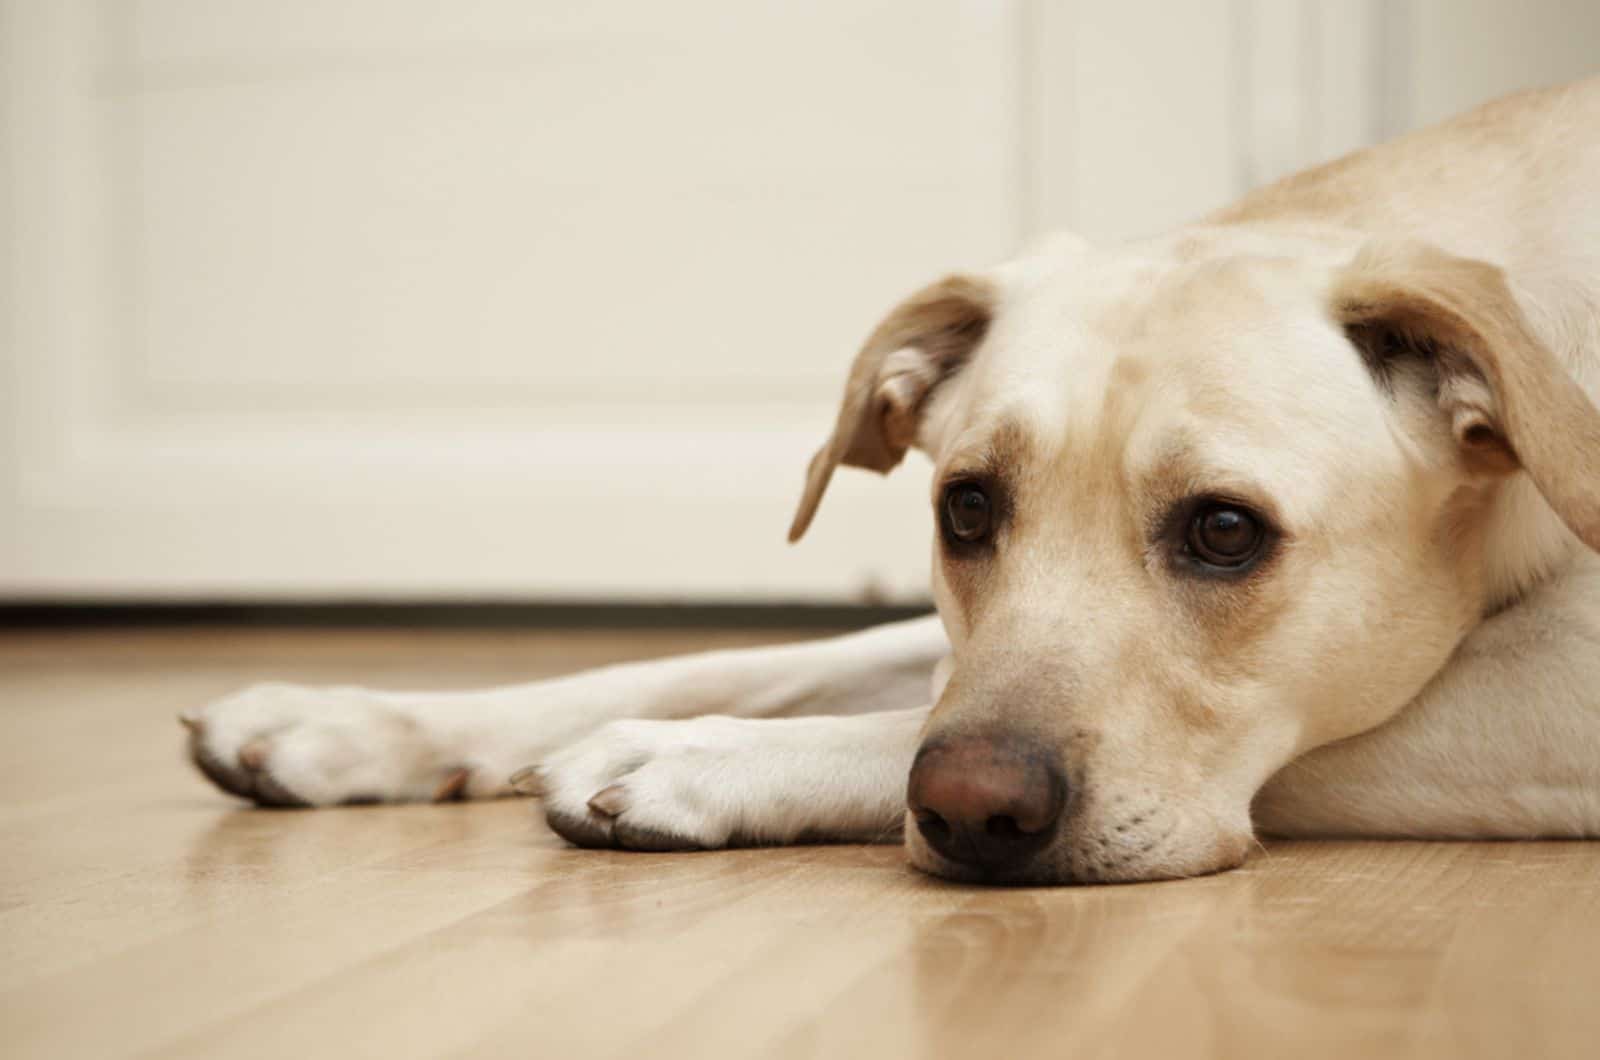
x,y
1199,507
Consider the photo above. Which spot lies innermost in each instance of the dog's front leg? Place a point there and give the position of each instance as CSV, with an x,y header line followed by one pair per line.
x,y
1503,743
720,781
281,744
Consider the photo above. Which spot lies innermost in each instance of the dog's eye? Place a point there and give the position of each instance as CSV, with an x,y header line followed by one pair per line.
x,y
968,513
1225,535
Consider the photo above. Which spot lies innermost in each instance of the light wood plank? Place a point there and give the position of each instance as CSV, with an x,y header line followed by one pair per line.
x,y
143,914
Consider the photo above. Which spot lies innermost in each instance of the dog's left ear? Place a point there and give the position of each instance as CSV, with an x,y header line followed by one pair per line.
x,y
921,343
1510,402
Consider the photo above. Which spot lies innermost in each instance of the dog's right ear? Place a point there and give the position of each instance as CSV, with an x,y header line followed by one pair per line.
x,y
921,343
1509,400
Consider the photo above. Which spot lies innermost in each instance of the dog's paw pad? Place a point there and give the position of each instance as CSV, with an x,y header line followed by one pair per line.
x,y
643,838
598,828
580,829
633,785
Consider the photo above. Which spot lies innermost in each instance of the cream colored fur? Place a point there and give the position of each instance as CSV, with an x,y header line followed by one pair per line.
x,y
1421,657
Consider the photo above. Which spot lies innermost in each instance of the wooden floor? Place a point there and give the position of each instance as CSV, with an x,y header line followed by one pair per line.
x,y
142,913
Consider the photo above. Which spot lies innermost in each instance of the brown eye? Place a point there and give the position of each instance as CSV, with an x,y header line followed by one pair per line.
x,y
968,513
1225,535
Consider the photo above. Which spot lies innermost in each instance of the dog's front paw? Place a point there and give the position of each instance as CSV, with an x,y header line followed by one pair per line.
x,y
292,745
650,785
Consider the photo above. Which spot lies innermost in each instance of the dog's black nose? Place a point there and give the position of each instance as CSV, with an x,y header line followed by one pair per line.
x,y
986,802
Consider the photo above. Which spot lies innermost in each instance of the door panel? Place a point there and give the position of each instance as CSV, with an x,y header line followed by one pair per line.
x,y
321,298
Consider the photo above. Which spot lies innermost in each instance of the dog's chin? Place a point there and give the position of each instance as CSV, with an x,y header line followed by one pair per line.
x,y
1060,864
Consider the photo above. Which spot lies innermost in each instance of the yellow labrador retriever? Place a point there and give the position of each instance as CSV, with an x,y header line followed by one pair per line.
x,y
1283,521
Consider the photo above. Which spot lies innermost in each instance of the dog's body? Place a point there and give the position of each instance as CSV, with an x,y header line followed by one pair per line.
x,y
1277,521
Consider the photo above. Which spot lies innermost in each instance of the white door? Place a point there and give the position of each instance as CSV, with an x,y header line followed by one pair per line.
x,y
499,298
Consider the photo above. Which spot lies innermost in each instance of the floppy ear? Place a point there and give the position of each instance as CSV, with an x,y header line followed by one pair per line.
x,y
1510,401
920,343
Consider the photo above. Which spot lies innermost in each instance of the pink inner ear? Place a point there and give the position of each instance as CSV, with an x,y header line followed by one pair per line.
x,y
898,399
1471,425
923,340
1484,447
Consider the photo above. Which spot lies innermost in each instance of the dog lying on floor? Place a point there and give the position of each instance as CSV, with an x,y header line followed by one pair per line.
x,y
1283,521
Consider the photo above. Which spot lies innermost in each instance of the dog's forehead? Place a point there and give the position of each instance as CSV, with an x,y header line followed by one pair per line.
x,y
1076,332
1156,354
1049,358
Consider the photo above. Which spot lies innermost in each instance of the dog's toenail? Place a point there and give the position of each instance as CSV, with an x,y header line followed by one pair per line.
x,y
609,801
253,755
191,722
453,786
529,780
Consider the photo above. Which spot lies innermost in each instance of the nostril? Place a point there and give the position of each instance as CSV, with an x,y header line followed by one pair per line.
x,y
1003,827
932,825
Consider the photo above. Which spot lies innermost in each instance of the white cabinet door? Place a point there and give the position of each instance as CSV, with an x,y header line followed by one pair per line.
x,y
500,298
